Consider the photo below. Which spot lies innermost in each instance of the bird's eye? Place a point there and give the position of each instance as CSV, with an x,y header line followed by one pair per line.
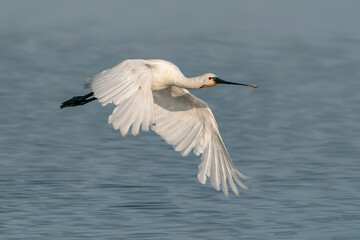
x,y
210,78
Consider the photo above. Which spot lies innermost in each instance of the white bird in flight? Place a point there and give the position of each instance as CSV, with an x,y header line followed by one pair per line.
x,y
152,93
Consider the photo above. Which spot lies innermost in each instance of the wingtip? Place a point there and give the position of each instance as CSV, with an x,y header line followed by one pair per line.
x,y
201,178
124,134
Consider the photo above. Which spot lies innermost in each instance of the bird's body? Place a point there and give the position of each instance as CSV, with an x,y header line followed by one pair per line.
x,y
152,93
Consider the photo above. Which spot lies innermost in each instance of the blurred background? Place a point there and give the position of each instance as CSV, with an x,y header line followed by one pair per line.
x,y
68,175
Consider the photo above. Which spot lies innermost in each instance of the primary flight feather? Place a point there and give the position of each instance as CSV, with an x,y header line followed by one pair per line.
x,y
152,94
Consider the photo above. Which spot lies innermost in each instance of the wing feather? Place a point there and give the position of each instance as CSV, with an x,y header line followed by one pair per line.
x,y
186,150
188,124
128,86
189,138
137,123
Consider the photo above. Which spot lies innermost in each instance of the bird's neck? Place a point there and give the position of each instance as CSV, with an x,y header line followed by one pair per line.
x,y
190,83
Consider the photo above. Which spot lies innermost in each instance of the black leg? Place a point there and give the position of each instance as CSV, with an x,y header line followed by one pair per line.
x,y
78,100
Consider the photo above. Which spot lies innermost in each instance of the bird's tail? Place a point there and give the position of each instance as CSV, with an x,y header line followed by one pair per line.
x,y
78,100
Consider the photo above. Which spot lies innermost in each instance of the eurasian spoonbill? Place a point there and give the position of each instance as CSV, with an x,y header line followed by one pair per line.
x,y
152,93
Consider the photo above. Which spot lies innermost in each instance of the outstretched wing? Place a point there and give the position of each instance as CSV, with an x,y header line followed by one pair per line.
x,y
187,123
128,86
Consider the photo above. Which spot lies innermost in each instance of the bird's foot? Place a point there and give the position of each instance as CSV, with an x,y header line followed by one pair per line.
x,y
78,100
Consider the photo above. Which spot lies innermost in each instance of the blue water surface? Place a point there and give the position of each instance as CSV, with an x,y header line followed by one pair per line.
x,y
68,175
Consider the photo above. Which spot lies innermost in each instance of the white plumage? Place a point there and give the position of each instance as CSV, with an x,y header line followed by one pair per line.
x,y
151,93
